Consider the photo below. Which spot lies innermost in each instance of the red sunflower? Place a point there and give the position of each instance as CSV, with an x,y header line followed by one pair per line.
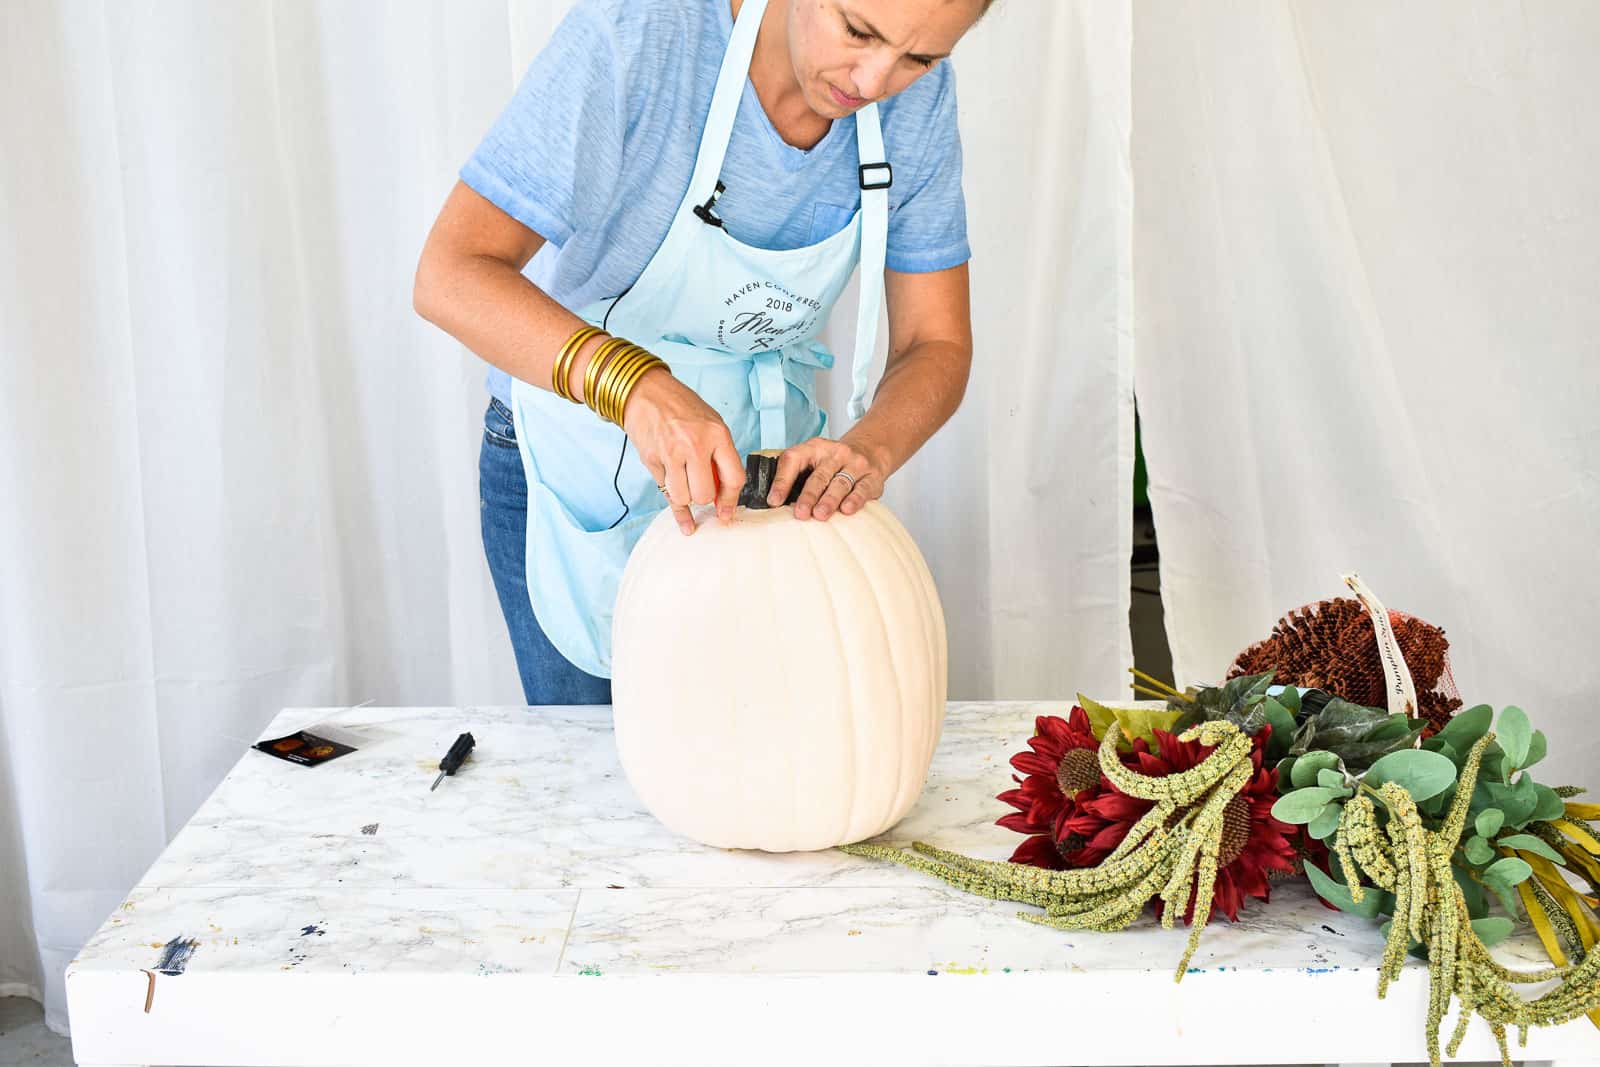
x,y
1058,803
1254,844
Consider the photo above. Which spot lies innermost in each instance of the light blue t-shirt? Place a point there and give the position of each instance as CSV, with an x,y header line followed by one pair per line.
x,y
595,151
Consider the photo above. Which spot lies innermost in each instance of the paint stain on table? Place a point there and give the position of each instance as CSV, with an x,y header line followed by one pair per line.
x,y
176,955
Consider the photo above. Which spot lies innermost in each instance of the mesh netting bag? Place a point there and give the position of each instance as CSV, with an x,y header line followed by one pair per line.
x,y
1333,645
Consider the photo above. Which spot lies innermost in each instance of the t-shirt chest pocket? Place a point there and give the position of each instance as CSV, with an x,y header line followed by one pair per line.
x,y
828,219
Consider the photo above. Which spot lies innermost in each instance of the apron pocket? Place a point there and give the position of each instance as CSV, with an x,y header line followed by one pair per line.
x,y
573,576
828,219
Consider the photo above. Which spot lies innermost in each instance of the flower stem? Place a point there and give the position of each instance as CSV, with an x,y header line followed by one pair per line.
x,y
1156,683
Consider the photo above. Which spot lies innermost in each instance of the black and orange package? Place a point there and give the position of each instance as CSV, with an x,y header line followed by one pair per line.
x,y
305,748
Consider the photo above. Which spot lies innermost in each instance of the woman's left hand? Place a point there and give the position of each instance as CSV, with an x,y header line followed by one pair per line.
x,y
843,478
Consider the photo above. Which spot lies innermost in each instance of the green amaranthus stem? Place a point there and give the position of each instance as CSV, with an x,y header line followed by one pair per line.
x,y
1172,853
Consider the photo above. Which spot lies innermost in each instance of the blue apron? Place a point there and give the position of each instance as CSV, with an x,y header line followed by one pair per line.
x,y
736,324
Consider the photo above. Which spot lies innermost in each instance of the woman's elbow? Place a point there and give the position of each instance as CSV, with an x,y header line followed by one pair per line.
x,y
425,286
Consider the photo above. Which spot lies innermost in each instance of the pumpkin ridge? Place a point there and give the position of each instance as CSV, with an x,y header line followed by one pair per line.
x,y
855,742
930,616
871,580
788,753
929,640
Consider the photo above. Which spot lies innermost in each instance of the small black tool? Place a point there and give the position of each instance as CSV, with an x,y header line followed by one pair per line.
x,y
760,471
453,759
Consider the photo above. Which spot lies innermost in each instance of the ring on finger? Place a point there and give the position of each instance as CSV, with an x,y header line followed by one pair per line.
x,y
848,477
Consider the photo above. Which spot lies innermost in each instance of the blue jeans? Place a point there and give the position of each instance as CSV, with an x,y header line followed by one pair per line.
x,y
547,676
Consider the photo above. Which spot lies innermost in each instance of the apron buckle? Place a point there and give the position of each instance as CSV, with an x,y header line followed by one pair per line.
x,y
884,182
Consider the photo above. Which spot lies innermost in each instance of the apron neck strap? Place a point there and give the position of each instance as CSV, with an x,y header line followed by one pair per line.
x,y
876,177
725,101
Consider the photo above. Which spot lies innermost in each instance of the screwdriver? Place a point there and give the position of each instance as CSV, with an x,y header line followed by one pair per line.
x,y
453,759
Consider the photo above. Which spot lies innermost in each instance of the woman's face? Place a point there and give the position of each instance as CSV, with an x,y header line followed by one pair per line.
x,y
848,53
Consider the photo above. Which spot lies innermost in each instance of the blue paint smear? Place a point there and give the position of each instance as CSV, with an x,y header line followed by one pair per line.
x,y
933,972
176,954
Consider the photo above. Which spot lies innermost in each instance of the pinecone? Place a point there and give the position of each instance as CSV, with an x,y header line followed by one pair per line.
x,y
1332,645
1437,708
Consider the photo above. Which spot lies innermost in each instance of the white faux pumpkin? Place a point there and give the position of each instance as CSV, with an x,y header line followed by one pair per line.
x,y
778,684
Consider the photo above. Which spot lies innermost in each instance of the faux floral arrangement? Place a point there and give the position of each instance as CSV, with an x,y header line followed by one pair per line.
x,y
1419,815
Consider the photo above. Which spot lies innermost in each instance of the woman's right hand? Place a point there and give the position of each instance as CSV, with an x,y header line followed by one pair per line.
x,y
685,445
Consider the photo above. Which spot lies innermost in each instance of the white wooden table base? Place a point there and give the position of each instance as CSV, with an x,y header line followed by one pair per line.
x,y
530,911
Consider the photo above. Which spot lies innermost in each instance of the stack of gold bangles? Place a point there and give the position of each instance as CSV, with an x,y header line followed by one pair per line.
x,y
614,369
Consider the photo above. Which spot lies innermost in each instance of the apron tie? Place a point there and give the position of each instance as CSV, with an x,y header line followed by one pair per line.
x,y
771,394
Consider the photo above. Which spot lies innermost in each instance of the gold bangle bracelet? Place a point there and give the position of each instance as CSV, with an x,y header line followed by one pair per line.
x,y
616,394
625,389
563,365
597,362
597,359
603,390
614,366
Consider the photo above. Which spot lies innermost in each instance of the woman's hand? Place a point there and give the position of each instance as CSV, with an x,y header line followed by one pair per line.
x,y
685,445
844,476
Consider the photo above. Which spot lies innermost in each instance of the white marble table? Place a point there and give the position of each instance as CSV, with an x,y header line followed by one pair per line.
x,y
530,911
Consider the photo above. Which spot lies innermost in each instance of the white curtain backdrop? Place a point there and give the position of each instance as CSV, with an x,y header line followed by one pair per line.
x,y
238,473
1367,254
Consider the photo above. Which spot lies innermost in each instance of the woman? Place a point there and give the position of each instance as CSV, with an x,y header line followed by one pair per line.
x,y
694,182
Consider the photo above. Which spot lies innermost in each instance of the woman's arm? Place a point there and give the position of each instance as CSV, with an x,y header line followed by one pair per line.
x,y
469,283
930,359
